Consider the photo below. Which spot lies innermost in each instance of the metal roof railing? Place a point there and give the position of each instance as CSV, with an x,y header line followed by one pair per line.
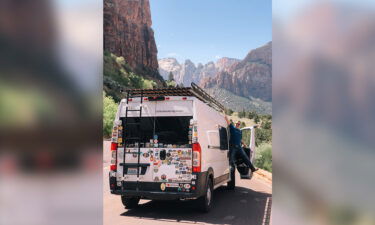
x,y
194,90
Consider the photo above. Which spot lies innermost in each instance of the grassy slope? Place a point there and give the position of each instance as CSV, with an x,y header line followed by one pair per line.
x,y
235,118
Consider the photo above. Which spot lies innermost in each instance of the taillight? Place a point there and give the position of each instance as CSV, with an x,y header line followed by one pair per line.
x,y
113,166
197,157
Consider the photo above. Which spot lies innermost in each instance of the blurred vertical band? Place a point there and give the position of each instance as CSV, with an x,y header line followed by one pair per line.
x,y
50,112
323,110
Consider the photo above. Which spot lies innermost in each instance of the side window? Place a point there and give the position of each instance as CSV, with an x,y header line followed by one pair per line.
x,y
213,139
223,138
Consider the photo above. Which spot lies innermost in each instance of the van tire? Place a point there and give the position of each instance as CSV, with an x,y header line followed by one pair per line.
x,y
231,185
129,203
204,203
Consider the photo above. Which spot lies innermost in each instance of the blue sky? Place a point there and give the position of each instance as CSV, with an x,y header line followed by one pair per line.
x,y
205,30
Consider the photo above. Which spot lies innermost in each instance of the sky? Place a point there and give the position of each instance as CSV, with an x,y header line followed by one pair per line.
x,y
206,30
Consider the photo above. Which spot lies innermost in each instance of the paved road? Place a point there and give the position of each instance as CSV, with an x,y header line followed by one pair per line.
x,y
249,203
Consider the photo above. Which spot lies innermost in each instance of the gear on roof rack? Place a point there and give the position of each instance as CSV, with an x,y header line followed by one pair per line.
x,y
194,90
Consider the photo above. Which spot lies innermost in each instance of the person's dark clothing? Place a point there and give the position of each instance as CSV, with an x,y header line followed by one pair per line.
x,y
235,135
239,152
235,147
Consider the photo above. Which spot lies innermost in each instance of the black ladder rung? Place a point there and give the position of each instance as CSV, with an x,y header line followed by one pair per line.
x,y
133,110
138,123
132,138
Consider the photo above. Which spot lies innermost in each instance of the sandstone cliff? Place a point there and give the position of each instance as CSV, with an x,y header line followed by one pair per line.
x,y
128,33
252,77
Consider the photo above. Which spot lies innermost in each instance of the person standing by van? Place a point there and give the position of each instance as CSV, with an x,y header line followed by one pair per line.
x,y
235,148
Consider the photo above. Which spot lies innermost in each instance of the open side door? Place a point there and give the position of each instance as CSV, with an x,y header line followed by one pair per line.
x,y
248,138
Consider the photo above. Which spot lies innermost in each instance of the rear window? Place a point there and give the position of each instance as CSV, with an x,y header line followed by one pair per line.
x,y
168,131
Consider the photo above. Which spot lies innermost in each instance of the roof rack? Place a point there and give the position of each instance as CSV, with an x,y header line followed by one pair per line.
x,y
194,90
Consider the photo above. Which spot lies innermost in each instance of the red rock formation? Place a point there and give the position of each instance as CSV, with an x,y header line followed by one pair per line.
x,y
128,33
252,77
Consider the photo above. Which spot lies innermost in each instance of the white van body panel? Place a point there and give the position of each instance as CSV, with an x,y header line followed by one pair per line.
x,y
209,121
173,107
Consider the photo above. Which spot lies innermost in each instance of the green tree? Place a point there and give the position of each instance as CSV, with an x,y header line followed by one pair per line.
x,y
251,114
170,83
170,76
267,124
263,136
242,114
256,118
117,75
109,113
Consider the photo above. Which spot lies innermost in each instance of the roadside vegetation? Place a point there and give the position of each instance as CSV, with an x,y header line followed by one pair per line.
x,y
263,157
109,113
263,135
118,75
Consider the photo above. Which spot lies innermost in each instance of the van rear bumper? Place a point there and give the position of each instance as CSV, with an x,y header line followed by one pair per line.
x,y
152,190
156,195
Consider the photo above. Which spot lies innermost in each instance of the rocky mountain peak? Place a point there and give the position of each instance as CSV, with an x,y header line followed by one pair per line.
x,y
189,63
223,64
187,72
250,78
261,55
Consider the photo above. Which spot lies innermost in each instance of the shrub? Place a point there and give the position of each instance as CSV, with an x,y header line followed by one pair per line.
x,y
267,124
171,83
242,114
109,113
263,157
149,84
251,114
256,118
229,112
263,136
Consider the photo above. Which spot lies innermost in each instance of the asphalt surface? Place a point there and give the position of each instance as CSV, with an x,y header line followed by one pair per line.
x,y
249,203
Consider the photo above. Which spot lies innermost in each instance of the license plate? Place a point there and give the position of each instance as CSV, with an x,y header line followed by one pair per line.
x,y
132,171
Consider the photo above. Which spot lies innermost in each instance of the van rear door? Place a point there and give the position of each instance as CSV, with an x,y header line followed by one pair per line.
x,y
165,145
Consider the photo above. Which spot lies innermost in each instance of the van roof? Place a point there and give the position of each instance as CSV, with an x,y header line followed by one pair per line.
x,y
194,90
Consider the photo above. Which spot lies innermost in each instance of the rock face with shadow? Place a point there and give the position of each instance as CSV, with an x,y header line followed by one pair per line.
x,y
251,77
128,33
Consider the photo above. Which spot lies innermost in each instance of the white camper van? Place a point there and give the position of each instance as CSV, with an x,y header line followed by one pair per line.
x,y
171,144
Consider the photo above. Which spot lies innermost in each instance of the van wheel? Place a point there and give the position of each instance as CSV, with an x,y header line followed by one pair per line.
x,y
129,203
204,203
232,183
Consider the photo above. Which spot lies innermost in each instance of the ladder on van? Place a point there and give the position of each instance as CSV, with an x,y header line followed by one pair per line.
x,y
136,123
